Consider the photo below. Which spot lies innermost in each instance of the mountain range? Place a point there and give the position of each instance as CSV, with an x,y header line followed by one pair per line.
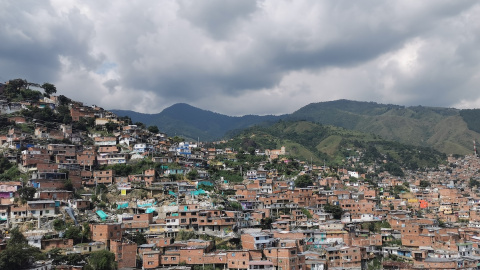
x,y
448,130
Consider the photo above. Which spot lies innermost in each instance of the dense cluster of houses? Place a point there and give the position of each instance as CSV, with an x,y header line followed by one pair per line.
x,y
429,219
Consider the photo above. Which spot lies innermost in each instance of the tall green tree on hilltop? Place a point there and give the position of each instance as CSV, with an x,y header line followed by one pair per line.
x,y
49,88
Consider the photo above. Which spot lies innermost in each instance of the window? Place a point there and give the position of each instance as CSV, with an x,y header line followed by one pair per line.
x,y
233,254
174,258
150,263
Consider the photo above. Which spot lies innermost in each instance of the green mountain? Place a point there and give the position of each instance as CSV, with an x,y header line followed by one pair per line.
x,y
309,141
190,122
447,130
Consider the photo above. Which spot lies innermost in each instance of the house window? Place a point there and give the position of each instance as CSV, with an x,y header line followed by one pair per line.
x,y
150,263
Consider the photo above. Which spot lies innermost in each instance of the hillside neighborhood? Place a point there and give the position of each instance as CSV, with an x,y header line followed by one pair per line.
x,y
79,183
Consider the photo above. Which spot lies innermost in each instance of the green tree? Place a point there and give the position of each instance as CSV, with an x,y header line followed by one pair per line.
x,y
153,129
424,183
63,100
79,234
18,254
139,238
111,126
234,206
26,193
49,88
68,184
4,165
266,223
101,260
140,124
70,259
59,224
75,233
177,139
307,213
473,182
192,174
14,86
303,181
335,210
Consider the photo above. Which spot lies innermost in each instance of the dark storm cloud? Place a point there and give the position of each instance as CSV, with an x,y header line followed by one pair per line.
x,y
34,38
334,34
219,18
283,53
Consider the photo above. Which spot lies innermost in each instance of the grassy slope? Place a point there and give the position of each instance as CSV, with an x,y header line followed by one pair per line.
x,y
307,140
442,128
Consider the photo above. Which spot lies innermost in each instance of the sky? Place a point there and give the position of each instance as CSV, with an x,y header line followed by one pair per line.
x,y
245,57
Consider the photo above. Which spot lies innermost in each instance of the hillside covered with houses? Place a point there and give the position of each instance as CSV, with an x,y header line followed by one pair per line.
x,y
82,188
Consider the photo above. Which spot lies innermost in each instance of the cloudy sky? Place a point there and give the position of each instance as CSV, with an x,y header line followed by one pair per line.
x,y
245,57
